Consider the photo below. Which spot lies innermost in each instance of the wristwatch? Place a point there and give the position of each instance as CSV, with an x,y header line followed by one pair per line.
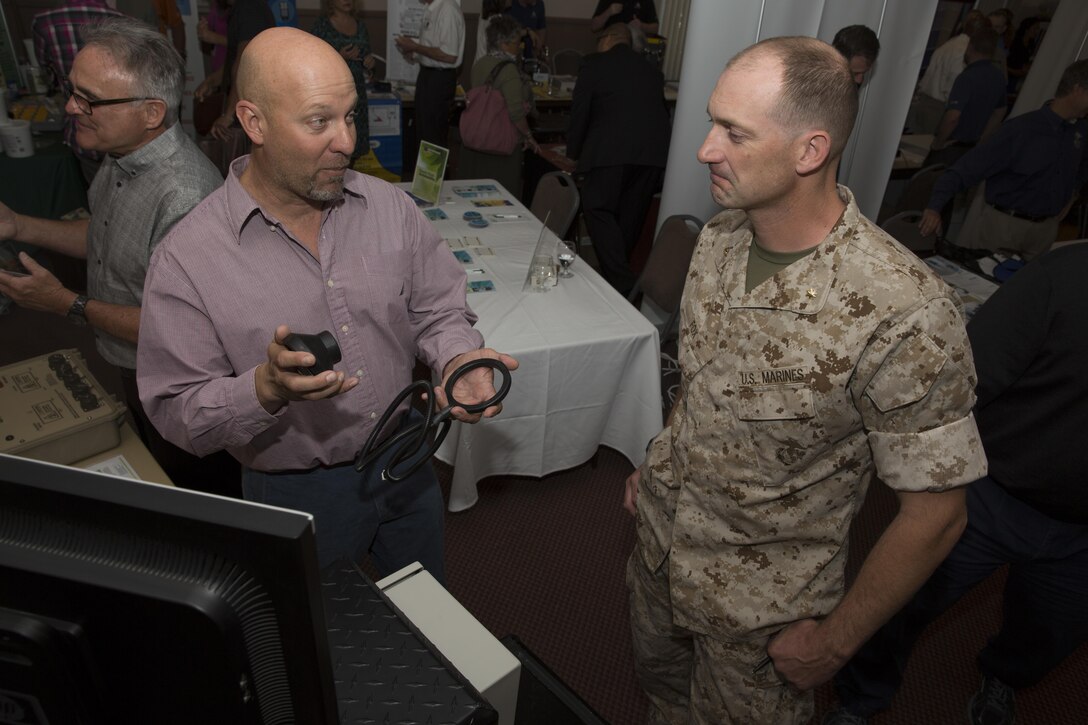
x,y
77,313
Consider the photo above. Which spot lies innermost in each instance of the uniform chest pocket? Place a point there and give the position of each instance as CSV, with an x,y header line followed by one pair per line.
x,y
783,425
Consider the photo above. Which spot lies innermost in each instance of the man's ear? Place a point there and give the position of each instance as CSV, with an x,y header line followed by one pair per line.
x,y
249,115
154,113
814,150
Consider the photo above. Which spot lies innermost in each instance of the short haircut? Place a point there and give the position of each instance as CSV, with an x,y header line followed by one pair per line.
x,y
619,32
984,42
975,21
156,69
857,40
502,29
1074,75
1003,12
817,89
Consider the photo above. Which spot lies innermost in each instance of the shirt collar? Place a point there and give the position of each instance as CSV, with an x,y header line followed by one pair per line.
x,y
152,153
802,287
241,206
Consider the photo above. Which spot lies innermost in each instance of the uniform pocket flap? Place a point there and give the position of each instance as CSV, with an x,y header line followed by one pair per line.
x,y
907,374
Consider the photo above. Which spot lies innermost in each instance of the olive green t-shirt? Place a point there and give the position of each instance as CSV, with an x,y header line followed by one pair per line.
x,y
763,263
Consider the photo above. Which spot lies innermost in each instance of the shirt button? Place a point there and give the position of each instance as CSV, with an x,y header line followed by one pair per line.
x,y
373,415
359,373
271,227
331,283
344,328
118,184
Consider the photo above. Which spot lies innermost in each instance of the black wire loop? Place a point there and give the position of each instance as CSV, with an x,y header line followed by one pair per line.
x,y
412,440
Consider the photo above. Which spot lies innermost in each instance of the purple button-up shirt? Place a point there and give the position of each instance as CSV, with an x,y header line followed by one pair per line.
x,y
385,285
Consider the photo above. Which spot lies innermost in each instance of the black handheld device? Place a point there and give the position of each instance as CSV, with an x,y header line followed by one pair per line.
x,y
322,346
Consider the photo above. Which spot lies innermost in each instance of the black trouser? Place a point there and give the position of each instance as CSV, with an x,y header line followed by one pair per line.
x,y
1045,613
614,204
217,473
435,88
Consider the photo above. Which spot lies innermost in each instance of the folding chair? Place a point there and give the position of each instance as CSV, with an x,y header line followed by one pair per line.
x,y
557,199
662,279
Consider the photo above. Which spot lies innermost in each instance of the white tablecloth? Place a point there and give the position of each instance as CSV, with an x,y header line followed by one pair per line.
x,y
589,370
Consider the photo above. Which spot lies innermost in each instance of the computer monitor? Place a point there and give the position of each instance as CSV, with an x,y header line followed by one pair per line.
x,y
130,602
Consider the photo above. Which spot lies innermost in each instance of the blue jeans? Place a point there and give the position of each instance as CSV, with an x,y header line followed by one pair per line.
x,y
1045,602
356,514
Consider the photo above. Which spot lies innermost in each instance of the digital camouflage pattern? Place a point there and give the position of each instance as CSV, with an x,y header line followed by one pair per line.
x,y
851,360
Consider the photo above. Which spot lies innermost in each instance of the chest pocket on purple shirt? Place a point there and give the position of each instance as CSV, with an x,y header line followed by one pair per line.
x,y
387,289
783,427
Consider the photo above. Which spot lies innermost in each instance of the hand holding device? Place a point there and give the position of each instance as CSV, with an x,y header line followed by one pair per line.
x,y
322,346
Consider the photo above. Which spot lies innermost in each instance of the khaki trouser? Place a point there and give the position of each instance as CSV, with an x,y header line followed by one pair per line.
x,y
987,228
693,678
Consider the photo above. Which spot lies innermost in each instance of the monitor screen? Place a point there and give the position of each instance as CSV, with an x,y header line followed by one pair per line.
x,y
130,602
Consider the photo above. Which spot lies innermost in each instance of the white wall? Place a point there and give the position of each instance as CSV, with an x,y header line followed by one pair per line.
x,y
719,29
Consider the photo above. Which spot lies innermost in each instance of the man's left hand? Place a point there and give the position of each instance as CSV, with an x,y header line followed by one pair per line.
x,y
803,656
475,387
39,290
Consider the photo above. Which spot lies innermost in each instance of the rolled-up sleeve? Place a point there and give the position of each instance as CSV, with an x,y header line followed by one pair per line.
x,y
916,406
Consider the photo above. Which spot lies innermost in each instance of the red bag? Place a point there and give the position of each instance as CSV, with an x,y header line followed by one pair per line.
x,y
485,123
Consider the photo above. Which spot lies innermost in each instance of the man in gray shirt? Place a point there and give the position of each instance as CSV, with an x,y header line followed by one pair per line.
x,y
123,92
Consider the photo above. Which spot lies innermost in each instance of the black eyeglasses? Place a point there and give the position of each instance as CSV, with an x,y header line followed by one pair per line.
x,y
87,106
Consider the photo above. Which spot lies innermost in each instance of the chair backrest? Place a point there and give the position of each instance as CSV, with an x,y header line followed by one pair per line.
x,y
566,62
556,198
903,227
662,279
920,187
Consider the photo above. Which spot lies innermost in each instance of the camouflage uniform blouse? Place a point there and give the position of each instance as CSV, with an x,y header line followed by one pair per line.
x,y
852,359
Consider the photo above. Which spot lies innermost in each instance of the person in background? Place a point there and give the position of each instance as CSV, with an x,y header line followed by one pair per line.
x,y
212,31
488,10
341,26
439,51
1034,166
1025,43
504,35
619,134
641,13
815,352
295,240
124,90
976,103
247,19
532,16
56,43
860,46
945,65
1001,21
1030,341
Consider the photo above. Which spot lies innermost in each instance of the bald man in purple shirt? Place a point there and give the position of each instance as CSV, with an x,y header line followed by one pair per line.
x,y
294,240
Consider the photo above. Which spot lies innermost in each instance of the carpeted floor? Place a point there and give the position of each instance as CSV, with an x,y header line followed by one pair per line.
x,y
544,560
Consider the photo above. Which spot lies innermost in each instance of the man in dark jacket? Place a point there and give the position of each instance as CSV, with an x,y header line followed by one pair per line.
x,y
619,132
1030,341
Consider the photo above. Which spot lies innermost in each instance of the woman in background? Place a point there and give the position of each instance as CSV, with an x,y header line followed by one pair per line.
x,y
503,40
341,26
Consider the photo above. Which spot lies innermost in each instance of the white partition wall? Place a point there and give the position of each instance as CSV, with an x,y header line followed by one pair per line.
x,y
1066,41
719,29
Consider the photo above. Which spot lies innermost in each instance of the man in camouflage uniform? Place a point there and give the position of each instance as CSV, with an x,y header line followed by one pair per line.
x,y
813,351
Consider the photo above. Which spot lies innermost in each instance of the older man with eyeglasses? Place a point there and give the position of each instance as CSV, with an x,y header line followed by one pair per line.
x,y
123,93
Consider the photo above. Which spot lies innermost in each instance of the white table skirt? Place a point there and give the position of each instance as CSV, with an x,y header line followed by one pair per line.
x,y
589,372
